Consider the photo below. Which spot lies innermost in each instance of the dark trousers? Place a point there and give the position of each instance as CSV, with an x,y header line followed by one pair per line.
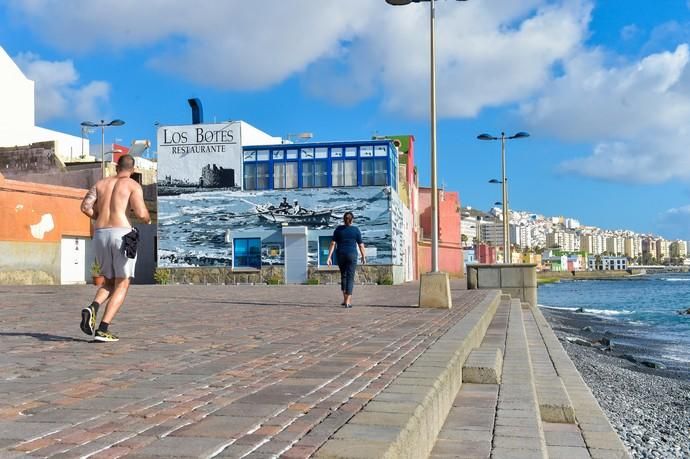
x,y
347,262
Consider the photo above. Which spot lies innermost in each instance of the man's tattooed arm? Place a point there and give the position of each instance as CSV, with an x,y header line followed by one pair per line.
x,y
88,203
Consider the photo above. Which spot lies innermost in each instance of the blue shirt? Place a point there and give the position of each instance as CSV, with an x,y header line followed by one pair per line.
x,y
346,238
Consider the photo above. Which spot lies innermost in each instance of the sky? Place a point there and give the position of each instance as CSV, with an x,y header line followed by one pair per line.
x,y
602,86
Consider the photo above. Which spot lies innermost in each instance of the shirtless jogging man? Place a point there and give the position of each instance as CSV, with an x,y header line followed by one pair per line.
x,y
107,203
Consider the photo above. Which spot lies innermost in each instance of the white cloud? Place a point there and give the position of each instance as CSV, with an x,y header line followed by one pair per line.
x,y
635,114
530,53
489,53
58,92
483,58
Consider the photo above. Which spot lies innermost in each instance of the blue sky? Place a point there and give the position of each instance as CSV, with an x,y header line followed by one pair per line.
x,y
604,90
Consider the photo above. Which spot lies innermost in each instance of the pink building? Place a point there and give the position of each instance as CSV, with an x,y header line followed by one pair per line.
x,y
485,254
450,257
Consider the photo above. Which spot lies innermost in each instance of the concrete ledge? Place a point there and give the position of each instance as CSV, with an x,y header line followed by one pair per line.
x,y
554,403
483,366
600,437
404,420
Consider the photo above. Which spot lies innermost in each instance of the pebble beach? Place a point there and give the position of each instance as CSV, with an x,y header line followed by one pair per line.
x,y
648,407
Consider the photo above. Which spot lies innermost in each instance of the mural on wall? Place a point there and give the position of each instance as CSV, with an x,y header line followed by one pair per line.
x,y
197,229
199,156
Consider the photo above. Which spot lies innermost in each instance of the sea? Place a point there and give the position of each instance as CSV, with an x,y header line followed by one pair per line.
x,y
640,312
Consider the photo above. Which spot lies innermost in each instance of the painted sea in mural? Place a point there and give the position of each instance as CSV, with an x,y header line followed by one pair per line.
x,y
197,229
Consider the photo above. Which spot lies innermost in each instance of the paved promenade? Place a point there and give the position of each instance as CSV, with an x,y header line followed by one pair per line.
x,y
203,371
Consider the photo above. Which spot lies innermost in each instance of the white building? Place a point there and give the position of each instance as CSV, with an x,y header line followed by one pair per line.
x,y
492,233
568,241
615,245
17,115
607,263
522,235
469,227
572,223
678,249
662,250
633,246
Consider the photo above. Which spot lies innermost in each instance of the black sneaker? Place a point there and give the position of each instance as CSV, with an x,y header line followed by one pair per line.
x,y
105,337
88,320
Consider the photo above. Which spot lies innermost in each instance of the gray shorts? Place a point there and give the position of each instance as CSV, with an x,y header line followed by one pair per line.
x,y
110,253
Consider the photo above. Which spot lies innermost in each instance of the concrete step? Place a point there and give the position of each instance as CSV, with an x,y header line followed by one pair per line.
x,y
468,430
518,429
554,403
405,418
496,333
600,438
484,364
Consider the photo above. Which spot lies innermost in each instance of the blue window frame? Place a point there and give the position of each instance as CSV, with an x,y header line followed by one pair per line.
x,y
246,253
321,165
257,170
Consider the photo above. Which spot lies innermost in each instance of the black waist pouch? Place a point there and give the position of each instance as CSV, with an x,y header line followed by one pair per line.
x,y
130,242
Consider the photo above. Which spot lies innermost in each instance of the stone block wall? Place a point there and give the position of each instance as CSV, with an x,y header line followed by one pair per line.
x,y
516,280
366,274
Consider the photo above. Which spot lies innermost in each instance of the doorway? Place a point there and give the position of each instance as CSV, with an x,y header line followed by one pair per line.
x,y
72,260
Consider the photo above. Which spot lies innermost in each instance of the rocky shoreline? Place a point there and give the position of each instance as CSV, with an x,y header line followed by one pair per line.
x,y
647,401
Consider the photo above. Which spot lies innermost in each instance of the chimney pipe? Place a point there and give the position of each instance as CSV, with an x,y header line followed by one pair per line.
x,y
197,110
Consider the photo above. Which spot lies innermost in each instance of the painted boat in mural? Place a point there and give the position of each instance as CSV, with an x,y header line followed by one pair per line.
x,y
294,215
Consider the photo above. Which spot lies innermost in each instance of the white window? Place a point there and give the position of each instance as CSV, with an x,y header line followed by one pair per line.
x,y
366,151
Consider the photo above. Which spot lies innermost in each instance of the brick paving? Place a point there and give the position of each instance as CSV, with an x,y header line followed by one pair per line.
x,y
203,371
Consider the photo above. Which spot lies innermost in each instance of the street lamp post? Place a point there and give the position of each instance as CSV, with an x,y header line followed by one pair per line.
x,y
434,186
434,287
103,125
504,184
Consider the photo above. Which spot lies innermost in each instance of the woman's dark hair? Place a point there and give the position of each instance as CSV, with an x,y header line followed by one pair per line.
x,y
348,217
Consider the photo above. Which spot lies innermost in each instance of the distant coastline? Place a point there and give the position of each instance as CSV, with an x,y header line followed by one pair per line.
x,y
546,277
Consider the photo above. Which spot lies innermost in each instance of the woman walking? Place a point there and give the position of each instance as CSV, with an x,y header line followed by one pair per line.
x,y
347,238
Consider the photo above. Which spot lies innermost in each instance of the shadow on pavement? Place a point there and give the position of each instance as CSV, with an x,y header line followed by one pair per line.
x,y
47,337
303,304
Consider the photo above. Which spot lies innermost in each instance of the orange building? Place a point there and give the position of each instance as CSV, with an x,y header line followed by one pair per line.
x,y
450,256
42,234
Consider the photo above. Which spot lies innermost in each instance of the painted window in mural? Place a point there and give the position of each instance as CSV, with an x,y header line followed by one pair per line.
x,y
257,174
307,174
344,172
291,175
249,176
374,172
381,171
262,176
247,252
324,245
314,174
366,151
278,175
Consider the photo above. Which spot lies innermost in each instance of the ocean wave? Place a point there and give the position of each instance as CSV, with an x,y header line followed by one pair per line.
x,y
676,279
676,357
603,312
